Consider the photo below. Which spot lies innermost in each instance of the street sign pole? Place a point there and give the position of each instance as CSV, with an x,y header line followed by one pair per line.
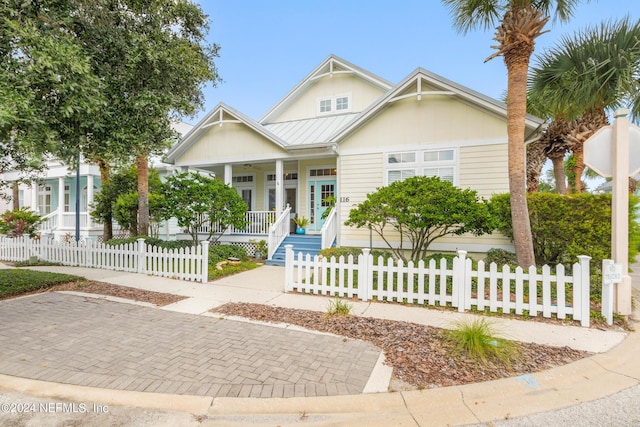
x,y
620,210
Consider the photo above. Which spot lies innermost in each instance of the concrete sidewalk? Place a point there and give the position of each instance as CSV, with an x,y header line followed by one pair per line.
x,y
616,366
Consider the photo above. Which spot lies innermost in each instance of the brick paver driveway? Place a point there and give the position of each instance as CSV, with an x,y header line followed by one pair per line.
x,y
92,342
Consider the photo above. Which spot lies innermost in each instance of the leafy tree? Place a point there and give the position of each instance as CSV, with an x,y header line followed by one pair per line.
x,y
17,223
47,90
153,59
195,200
118,199
519,24
421,209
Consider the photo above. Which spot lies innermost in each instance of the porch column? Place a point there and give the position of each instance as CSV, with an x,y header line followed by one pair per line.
x,y
89,198
34,197
279,188
60,201
228,174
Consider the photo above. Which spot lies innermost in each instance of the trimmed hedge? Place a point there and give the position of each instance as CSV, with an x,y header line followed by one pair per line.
x,y
565,226
168,244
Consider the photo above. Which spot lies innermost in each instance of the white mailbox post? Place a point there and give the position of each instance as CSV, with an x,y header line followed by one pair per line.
x,y
614,151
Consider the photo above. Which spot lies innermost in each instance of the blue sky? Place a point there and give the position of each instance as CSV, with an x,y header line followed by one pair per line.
x,y
268,46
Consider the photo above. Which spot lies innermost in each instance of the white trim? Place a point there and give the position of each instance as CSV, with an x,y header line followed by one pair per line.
x,y
424,146
419,165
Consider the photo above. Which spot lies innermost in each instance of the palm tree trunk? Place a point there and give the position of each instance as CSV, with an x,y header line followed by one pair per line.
x,y
517,62
142,166
107,227
535,162
558,173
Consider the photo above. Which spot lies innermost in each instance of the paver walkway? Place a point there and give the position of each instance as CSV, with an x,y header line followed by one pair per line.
x,y
84,341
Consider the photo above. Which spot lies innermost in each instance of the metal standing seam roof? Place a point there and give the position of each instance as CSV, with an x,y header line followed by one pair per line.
x,y
310,131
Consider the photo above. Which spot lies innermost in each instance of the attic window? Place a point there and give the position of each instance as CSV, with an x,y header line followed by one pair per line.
x,y
342,103
325,105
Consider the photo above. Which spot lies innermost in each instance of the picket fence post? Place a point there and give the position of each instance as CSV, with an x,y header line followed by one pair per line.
x,y
607,293
585,289
142,258
365,282
204,261
288,266
459,280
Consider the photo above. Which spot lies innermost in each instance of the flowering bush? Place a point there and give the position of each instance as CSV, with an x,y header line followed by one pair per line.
x,y
19,222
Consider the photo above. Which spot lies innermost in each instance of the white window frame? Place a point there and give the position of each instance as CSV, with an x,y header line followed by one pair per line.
x,y
320,106
289,179
419,167
333,104
249,184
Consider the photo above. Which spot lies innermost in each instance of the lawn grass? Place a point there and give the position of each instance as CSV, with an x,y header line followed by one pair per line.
x,y
16,281
228,270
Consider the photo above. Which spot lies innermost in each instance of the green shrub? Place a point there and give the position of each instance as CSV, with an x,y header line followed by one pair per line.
x,y
501,257
342,251
438,256
219,253
565,226
19,222
152,241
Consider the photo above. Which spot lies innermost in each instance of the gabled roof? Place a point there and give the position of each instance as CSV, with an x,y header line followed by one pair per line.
x,y
332,65
446,87
218,116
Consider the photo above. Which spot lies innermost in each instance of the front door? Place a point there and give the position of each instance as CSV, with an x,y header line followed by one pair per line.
x,y
318,193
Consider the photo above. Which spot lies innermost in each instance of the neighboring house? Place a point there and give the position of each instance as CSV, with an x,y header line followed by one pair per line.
x,y
343,132
54,198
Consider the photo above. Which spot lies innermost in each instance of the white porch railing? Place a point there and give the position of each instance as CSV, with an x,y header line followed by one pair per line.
x,y
258,222
49,222
519,292
279,231
329,230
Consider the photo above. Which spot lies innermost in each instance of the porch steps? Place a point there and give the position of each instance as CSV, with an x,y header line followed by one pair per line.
x,y
307,244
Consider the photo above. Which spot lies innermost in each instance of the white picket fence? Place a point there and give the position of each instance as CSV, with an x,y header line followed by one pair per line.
x,y
183,263
432,284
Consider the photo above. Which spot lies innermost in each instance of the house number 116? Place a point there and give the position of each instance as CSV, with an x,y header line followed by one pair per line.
x,y
344,199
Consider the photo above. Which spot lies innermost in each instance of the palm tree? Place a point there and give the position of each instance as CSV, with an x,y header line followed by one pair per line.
x,y
520,23
587,75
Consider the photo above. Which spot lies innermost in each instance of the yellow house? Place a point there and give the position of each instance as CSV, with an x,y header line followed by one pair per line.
x,y
343,132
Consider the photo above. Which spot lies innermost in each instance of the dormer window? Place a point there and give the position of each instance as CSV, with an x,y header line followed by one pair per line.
x,y
325,105
342,103
338,104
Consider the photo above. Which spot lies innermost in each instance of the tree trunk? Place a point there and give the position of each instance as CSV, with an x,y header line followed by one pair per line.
x,y
517,62
142,166
558,173
535,162
107,227
16,195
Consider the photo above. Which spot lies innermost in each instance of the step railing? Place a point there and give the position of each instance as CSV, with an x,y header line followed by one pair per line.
x,y
278,231
329,230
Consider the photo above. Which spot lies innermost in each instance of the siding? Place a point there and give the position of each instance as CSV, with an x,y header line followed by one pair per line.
x,y
362,95
231,141
434,120
484,168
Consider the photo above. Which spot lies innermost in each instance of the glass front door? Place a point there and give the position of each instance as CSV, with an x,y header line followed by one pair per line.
x,y
318,193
